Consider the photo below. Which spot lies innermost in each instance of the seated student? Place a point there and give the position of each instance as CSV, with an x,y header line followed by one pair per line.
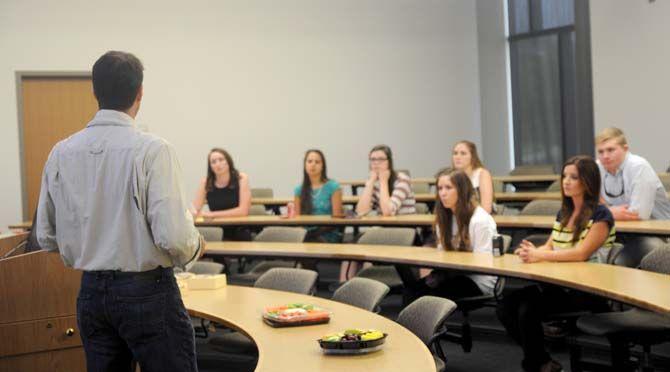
x,y
318,195
226,191
386,191
460,225
583,231
464,157
630,186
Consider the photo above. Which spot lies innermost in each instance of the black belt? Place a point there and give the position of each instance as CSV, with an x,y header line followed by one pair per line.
x,y
117,274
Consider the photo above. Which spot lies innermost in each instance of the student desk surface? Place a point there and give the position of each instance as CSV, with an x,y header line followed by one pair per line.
x,y
636,287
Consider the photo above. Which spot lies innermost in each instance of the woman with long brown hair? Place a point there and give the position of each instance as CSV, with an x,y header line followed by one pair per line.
x,y
583,231
318,195
386,191
225,190
460,225
464,157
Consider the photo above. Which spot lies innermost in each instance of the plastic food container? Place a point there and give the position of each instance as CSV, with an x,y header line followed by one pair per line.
x,y
296,314
206,281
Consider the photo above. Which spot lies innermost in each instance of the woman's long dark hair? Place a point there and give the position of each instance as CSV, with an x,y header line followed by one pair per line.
x,y
465,208
389,155
211,177
589,176
306,192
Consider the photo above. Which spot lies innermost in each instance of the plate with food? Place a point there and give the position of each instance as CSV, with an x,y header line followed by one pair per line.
x,y
353,341
296,314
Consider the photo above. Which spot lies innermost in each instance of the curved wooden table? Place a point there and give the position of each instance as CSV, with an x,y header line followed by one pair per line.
x,y
548,178
636,287
525,196
648,227
296,348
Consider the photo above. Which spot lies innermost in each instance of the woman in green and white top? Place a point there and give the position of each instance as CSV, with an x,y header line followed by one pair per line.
x,y
583,231
584,228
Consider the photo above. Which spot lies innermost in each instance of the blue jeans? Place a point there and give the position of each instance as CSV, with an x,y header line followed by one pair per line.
x,y
134,316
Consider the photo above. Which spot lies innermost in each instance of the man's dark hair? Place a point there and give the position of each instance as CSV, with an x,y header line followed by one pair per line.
x,y
117,78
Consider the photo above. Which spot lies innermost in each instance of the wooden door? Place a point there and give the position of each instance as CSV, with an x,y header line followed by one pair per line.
x,y
53,109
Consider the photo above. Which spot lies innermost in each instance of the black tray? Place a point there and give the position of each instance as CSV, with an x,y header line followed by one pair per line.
x,y
354,347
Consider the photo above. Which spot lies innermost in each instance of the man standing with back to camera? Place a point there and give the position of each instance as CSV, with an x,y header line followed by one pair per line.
x,y
112,203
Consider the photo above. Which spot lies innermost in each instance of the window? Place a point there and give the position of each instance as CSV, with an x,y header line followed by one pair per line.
x,y
551,80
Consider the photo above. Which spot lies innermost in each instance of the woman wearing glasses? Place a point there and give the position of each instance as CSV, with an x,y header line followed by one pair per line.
x,y
583,231
386,191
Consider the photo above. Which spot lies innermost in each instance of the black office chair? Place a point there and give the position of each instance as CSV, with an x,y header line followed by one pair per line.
x,y
625,328
468,304
425,318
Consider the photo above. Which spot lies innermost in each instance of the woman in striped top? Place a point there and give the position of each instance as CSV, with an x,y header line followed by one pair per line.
x,y
584,228
584,231
386,191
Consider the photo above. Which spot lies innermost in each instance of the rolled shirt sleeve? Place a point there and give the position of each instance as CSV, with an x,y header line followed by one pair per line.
x,y
170,221
643,191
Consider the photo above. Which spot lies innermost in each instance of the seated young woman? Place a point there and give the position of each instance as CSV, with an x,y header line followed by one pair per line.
x,y
464,157
583,231
318,195
460,225
386,191
226,191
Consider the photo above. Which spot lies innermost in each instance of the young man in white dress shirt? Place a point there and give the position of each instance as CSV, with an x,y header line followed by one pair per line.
x,y
630,186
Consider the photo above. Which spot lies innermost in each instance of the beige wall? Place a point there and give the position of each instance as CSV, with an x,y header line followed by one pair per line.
x,y
264,81
631,79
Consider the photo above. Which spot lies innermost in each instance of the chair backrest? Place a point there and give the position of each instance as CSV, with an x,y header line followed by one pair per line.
x,y
211,234
498,186
539,169
206,267
257,210
262,193
289,280
281,234
657,260
635,249
541,207
665,179
388,236
555,186
361,292
421,188
406,171
425,316
422,208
